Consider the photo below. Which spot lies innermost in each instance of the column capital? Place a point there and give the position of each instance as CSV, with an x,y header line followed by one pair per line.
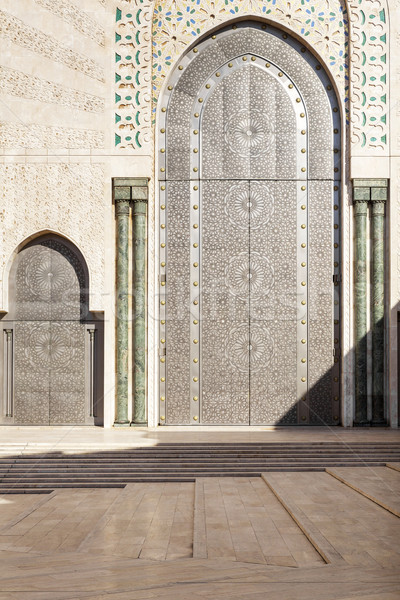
x,y
130,189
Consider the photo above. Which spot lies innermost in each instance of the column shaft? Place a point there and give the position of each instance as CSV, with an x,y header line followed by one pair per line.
x,y
360,310
139,311
122,310
378,309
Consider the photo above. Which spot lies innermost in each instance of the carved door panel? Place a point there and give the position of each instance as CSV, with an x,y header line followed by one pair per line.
x,y
224,304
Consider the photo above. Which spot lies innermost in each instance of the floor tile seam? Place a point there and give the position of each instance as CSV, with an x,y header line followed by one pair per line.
x,y
324,548
37,522
181,494
171,520
25,513
102,521
222,517
236,510
373,473
226,516
150,522
199,521
364,493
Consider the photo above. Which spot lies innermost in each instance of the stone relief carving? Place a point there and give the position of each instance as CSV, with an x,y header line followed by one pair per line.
x,y
42,43
323,24
368,76
81,21
65,198
19,135
22,85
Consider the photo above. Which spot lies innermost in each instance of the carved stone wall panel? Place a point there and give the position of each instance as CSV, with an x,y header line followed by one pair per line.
x,y
17,83
17,135
46,45
320,317
177,327
80,20
273,304
65,198
224,308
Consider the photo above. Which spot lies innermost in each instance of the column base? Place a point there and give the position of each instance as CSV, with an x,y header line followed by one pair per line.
x,y
361,424
121,424
382,423
144,424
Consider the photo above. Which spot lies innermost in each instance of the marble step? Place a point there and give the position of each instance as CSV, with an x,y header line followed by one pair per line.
x,y
150,466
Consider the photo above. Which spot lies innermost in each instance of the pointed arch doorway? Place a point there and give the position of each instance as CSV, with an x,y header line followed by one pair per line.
x,y
249,170
51,345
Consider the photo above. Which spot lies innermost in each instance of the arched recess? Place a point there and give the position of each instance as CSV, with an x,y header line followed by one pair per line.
x,y
249,184
51,345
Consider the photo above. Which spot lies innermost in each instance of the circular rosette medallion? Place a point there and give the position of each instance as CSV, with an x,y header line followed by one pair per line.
x,y
50,346
249,133
249,206
249,275
45,274
249,351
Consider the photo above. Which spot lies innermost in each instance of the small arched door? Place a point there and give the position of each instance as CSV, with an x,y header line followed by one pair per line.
x,y
249,182
49,342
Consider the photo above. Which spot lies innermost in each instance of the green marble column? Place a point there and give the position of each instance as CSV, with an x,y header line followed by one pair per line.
x,y
361,198
140,196
378,199
122,204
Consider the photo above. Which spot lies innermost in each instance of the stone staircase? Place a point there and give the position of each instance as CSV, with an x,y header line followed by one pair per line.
x,y
26,471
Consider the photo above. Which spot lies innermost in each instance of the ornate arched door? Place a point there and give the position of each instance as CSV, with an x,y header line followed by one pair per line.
x,y
50,345
249,177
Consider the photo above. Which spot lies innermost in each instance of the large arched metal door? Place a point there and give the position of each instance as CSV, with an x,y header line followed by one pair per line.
x,y
248,223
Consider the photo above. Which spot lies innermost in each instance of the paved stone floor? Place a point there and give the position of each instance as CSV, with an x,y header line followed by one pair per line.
x,y
326,535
